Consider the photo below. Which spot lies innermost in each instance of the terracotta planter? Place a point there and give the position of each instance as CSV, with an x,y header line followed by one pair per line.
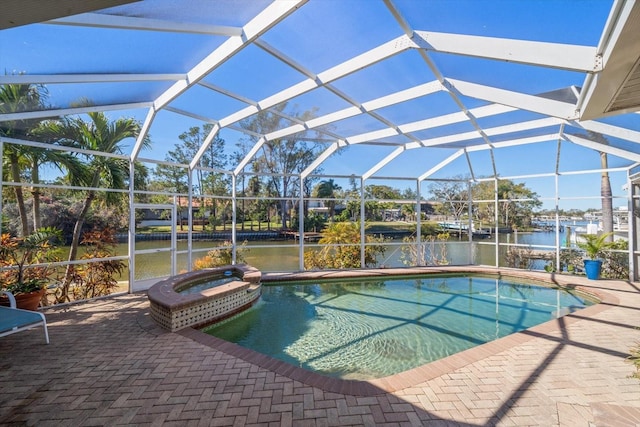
x,y
28,301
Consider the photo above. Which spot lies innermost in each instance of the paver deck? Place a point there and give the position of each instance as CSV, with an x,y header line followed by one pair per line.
x,y
109,364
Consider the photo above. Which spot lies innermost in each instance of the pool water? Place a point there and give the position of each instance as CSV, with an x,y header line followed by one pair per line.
x,y
194,288
371,328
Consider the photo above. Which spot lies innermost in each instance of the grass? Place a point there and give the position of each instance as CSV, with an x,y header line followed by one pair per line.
x,y
198,228
373,227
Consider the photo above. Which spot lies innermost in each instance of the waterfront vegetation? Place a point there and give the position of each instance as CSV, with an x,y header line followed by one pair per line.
x,y
89,199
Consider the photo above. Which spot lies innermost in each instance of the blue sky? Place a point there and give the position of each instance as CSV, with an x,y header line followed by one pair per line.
x,y
318,36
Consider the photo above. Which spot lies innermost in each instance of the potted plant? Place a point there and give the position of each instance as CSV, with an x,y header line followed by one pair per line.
x,y
593,245
17,254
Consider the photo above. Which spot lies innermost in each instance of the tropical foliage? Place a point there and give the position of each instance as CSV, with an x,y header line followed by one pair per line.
x,y
221,256
341,248
93,172
594,244
15,98
17,254
99,134
97,278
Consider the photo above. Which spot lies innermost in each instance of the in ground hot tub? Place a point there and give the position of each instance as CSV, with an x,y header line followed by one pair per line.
x,y
202,297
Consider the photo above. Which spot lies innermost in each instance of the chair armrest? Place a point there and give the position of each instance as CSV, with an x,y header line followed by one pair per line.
x,y
12,299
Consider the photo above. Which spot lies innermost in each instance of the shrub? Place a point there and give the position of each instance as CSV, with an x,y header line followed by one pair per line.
x,y
615,265
341,249
432,251
18,253
517,257
98,278
221,256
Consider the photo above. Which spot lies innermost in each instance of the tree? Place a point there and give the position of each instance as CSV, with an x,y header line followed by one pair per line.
x,y
282,158
206,179
98,134
374,209
327,190
453,195
172,179
16,98
606,195
607,198
517,201
38,157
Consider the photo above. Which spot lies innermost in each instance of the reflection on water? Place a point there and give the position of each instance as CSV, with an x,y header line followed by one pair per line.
x,y
273,256
370,328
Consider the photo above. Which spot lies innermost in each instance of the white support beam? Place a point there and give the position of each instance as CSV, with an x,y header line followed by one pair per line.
x,y
606,129
102,20
497,131
447,119
522,101
625,154
254,150
43,114
440,165
302,69
226,92
382,102
553,55
470,166
515,142
205,145
190,114
372,136
265,20
143,134
321,158
395,153
352,65
403,95
86,78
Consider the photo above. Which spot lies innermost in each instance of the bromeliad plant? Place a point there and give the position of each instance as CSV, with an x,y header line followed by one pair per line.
x,y
17,254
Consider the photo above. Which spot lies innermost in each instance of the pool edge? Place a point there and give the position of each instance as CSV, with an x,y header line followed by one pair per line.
x,y
430,370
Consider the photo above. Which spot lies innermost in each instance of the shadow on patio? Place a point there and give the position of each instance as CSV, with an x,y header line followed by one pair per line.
x,y
108,363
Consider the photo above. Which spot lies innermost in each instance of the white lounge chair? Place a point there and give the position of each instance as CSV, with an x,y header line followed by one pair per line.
x,y
13,319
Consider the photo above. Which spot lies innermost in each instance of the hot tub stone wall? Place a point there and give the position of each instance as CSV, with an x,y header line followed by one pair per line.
x,y
174,311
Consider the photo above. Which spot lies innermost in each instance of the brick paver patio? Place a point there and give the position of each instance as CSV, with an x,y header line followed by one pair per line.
x,y
108,364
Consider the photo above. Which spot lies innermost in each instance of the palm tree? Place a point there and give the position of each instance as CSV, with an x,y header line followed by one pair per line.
x,y
326,189
607,199
99,134
16,98
605,187
64,161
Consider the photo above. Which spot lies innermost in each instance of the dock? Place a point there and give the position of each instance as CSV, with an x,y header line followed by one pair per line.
x,y
307,236
457,228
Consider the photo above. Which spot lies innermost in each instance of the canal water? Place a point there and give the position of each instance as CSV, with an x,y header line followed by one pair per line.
x,y
283,255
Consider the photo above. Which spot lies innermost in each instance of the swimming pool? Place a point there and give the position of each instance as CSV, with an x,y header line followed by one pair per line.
x,y
371,328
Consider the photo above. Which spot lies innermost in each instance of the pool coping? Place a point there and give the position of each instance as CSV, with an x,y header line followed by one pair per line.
x,y
430,370
173,310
